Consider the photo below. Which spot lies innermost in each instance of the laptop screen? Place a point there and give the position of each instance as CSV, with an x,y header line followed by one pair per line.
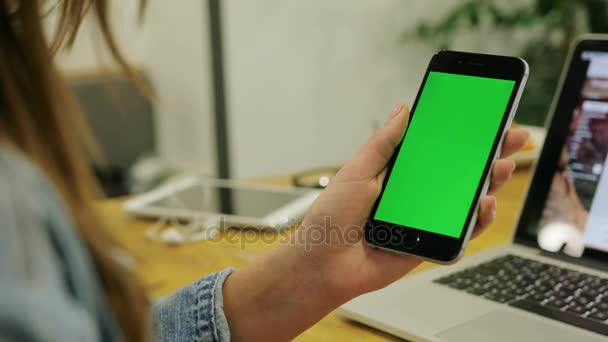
x,y
572,218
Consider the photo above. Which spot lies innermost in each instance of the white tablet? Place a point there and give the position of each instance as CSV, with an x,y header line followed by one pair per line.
x,y
222,203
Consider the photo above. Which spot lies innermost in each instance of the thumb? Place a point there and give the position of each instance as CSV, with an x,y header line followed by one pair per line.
x,y
373,157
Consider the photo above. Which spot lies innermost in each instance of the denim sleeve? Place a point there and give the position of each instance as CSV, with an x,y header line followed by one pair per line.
x,y
194,313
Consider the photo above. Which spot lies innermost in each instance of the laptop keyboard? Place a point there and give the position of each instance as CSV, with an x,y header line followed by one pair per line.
x,y
568,296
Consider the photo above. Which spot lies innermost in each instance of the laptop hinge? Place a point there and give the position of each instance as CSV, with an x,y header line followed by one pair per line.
x,y
586,262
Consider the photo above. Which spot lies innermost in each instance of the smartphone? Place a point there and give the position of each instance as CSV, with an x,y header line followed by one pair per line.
x,y
429,200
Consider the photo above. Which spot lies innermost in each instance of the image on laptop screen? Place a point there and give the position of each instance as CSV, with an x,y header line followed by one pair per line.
x,y
575,215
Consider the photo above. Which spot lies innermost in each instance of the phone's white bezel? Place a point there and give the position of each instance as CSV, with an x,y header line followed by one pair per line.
x,y
282,218
484,191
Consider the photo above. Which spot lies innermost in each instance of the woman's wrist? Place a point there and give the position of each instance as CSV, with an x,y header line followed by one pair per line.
x,y
279,296
325,267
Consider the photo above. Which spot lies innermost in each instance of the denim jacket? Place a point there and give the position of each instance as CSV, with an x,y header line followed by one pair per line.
x,y
49,290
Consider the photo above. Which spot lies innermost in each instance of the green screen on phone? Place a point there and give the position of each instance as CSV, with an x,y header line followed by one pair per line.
x,y
435,177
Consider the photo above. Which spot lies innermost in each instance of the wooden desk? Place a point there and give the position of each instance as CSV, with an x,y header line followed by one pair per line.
x,y
165,269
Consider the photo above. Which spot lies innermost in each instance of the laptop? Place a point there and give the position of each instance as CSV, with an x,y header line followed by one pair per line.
x,y
551,282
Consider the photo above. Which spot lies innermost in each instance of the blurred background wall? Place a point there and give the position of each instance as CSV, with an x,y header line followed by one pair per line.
x,y
307,82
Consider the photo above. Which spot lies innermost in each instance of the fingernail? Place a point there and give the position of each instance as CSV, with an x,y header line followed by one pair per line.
x,y
396,110
514,166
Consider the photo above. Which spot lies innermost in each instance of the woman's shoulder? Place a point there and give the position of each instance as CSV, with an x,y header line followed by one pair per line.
x,y
18,173
23,191
33,223
24,203
35,272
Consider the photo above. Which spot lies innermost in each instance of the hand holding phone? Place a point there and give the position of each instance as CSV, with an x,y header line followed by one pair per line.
x,y
464,107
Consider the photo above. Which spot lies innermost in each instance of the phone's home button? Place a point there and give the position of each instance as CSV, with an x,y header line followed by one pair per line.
x,y
411,241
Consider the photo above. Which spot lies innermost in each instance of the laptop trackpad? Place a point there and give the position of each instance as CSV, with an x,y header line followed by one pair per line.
x,y
509,326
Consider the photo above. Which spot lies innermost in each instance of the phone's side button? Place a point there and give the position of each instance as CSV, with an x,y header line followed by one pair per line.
x,y
411,241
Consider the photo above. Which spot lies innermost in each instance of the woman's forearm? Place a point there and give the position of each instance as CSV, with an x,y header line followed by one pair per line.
x,y
277,297
291,288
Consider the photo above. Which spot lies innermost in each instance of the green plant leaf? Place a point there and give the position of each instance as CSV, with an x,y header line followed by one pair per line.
x,y
544,7
597,15
473,15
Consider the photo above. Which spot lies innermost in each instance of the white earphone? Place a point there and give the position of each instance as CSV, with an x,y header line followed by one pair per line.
x,y
173,232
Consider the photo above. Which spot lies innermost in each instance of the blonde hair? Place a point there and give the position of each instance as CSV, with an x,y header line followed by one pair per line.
x,y
39,115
